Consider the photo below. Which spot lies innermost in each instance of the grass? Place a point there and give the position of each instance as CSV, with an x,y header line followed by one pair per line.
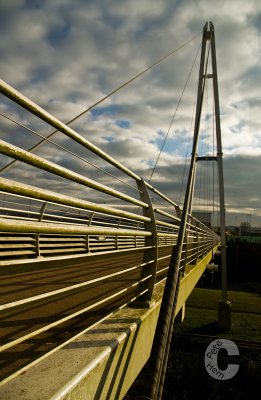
x,y
186,375
241,301
249,238
202,309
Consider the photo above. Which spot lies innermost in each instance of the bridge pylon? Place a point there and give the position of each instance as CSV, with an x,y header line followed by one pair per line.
x,y
163,335
224,305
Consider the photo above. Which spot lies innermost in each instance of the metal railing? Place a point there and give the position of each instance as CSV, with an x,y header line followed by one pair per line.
x,y
53,247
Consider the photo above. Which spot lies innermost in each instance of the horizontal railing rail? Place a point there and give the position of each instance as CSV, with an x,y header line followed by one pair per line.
x,y
67,263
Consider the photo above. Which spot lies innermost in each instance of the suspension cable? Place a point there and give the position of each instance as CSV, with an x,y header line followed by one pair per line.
x,y
66,150
207,150
104,98
213,177
189,139
163,335
135,77
174,115
205,176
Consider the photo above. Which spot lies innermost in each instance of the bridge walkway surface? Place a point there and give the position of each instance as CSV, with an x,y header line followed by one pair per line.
x,y
101,363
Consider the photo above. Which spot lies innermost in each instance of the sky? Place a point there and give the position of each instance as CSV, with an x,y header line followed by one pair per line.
x,y
66,55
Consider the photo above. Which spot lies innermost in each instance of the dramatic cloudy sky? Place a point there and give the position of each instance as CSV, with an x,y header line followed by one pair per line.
x,y
65,55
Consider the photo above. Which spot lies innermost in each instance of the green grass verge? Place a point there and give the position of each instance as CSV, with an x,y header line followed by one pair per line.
x,y
251,239
202,311
241,301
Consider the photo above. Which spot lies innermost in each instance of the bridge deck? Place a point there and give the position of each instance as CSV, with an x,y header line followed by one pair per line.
x,y
25,281
103,362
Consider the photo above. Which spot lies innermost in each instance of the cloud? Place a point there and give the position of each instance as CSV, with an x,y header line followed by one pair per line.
x,y
67,56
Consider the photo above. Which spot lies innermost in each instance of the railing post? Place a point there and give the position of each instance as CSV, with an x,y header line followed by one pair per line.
x,y
88,236
117,237
185,249
202,240
196,242
41,215
205,241
152,241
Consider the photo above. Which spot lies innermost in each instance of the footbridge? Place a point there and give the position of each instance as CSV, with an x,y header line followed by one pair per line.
x,y
82,281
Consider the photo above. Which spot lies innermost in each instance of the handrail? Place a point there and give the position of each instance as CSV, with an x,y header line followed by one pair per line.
x,y
29,105
54,246
7,225
39,162
14,187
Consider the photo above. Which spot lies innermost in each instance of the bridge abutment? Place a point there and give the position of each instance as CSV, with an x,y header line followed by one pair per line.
x,y
181,314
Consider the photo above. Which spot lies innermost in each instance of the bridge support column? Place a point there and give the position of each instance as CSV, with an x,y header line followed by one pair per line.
x,y
224,314
181,314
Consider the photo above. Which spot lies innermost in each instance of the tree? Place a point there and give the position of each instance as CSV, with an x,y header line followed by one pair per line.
x,y
236,230
245,228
